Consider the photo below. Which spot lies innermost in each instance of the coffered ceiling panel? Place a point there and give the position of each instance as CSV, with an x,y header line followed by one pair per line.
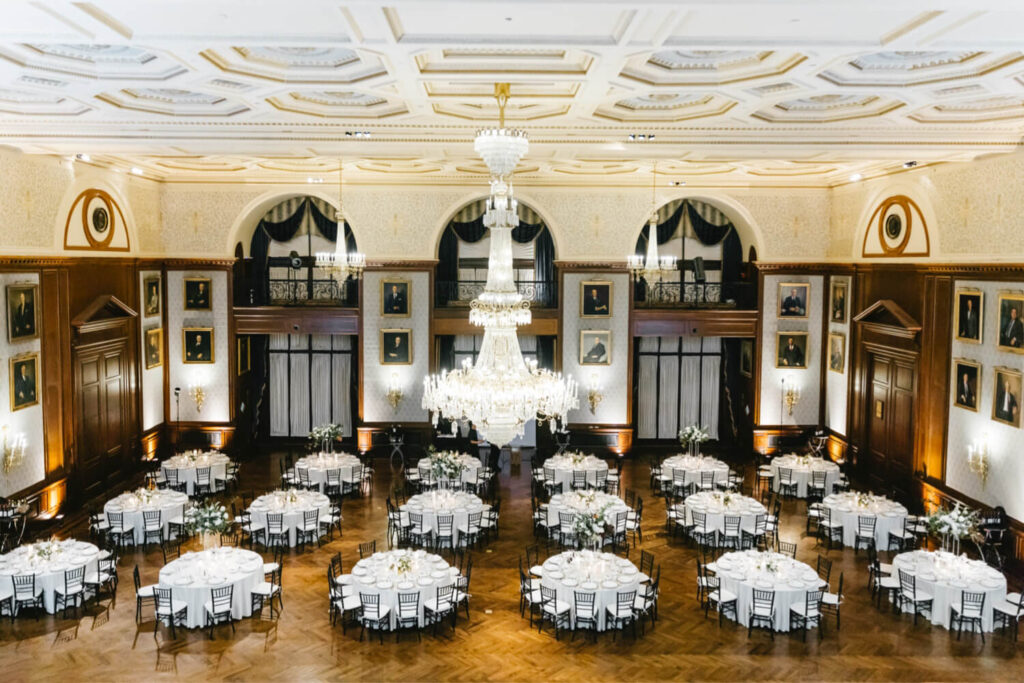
x,y
802,92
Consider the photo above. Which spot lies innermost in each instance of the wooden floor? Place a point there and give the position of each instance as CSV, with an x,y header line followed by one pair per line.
x,y
496,644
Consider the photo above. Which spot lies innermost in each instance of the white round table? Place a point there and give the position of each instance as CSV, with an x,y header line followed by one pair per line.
x,y
946,576
293,505
318,464
717,506
187,463
742,572
470,468
134,504
586,501
603,574
392,572
691,468
48,561
849,506
435,503
192,576
565,465
802,467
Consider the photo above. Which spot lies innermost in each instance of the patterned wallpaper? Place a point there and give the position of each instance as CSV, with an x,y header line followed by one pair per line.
x,y
152,378
805,412
214,377
836,384
27,421
612,379
375,376
1006,473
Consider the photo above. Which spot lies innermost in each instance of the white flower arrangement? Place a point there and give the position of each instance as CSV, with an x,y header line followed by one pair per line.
x,y
959,523
589,525
694,434
446,464
577,458
143,496
211,518
402,565
324,435
44,550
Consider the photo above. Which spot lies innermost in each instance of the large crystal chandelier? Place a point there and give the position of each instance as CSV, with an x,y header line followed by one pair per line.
x,y
651,267
502,391
340,263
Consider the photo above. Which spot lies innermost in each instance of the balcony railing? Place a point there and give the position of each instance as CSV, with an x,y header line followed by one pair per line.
x,y
541,293
696,295
309,292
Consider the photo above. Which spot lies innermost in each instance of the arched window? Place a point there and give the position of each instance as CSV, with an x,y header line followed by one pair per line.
x,y
283,248
462,257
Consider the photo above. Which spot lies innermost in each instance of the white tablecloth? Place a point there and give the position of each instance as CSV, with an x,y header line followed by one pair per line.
x,y
381,574
194,575
186,466
802,468
718,505
946,576
66,555
742,572
317,466
170,504
691,467
564,466
585,501
434,503
603,574
293,505
471,467
846,508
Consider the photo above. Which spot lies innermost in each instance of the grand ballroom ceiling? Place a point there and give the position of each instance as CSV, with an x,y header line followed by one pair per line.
x,y
804,93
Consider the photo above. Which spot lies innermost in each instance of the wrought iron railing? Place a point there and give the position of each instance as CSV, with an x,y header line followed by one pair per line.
x,y
316,292
541,293
695,295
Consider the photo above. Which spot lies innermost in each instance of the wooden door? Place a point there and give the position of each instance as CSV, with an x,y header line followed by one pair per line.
x,y
890,420
101,384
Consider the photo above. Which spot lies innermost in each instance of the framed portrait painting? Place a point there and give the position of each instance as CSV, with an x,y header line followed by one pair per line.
x,y
595,299
1011,329
151,296
837,352
1006,396
24,380
746,357
966,384
394,298
22,312
396,347
154,347
793,298
197,345
968,312
595,347
197,296
837,302
791,350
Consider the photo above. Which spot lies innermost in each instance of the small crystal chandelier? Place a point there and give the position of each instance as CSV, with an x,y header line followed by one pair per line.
x,y
652,267
339,263
502,391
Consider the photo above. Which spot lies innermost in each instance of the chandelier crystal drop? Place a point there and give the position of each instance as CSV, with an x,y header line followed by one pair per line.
x,y
502,391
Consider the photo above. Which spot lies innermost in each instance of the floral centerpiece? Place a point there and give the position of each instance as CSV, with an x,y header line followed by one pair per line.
x,y
210,520
401,565
767,562
954,525
43,551
446,465
588,525
724,499
692,437
864,499
323,437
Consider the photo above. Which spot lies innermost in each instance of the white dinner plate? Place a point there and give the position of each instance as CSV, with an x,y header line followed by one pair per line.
x,y
625,578
425,581
406,585
589,585
440,574
553,575
182,581
609,584
568,582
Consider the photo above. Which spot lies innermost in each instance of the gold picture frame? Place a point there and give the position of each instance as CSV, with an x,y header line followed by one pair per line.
x,y
966,397
1007,413
841,306
27,388
400,302
599,304
590,353
784,304
390,354
1007,340
194,300
151,306
243,354
158,334
22,325
837,352
800,341
964,324
194,357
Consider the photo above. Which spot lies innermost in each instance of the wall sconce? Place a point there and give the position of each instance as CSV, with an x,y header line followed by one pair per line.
x,y
790,396
978,459
198,396
13,446
395,394
594,395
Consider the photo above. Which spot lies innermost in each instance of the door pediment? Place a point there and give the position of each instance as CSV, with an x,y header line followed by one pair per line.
x,y
887,317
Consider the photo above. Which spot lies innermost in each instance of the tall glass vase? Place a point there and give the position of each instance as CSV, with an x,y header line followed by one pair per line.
x,y
695,449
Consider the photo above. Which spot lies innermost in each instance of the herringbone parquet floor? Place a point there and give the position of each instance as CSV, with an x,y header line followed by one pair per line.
x,y
496,644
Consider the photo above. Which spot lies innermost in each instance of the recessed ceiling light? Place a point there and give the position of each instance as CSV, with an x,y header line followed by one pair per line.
x,y
135,170
640,137
313,180
855,177
357,133
909,164
678,183
83,157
